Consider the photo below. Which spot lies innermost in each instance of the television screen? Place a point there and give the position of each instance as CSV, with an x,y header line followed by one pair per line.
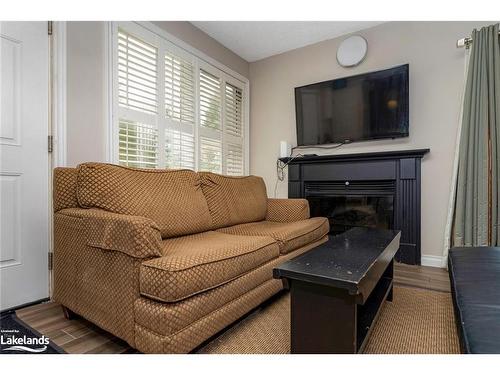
x,y
367,106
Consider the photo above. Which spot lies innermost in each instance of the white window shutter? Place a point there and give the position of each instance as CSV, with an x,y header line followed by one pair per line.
x,y
174,110
210,155
179,89
180,110
179,149
137,74
210,126
138,145
210,100
233,130
233,114
234,160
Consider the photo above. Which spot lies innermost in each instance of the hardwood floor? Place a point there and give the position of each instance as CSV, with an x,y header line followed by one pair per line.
x,y
73,336
422,277
81,336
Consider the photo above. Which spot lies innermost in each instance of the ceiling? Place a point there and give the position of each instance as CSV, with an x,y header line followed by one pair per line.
x,y
256,40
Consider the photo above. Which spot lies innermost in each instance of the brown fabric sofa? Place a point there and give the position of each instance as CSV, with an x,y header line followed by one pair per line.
x,y
165,259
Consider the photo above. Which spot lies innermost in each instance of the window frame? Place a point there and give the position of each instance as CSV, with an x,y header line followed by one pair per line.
x,y
153,34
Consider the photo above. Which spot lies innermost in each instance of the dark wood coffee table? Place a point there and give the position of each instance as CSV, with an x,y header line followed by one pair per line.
x,y
338,288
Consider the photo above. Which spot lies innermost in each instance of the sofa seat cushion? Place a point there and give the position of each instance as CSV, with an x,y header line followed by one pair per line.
x,y
290,236
169,318
197,263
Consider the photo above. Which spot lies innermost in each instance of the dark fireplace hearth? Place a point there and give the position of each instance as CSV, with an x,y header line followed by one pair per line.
x,y
378,190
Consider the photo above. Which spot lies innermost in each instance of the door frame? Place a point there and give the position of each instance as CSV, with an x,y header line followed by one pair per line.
x,y
57,119
58,57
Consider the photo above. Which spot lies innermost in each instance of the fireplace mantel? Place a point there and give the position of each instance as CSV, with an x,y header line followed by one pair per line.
x,y
418,153
401,167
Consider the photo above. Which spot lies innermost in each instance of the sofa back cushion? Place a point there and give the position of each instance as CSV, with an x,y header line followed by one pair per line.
x,y
234,200
64,188
173,199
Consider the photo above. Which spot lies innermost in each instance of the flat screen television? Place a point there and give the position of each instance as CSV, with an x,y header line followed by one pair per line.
x,y
358,108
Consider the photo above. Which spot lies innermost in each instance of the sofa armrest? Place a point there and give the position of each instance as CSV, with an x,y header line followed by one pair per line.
x,y
136,236
287,210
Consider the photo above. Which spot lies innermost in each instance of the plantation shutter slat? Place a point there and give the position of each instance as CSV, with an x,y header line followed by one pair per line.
x,y
233,115
138,145
179,149
234,160
210,100
210,155
179,89
137,92
137,72
233,130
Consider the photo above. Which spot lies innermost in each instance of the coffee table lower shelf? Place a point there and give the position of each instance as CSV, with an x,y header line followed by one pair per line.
x,y
368,313
326,319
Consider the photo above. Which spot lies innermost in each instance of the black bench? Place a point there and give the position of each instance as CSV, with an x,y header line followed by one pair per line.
x,y
475,284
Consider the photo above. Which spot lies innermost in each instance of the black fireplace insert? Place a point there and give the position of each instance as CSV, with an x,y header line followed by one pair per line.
x,y
352,204
348,211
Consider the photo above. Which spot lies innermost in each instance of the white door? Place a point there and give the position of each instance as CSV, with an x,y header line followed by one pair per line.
x,y
24,161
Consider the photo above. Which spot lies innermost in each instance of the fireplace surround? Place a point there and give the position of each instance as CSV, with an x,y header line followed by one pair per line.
x,y
380,189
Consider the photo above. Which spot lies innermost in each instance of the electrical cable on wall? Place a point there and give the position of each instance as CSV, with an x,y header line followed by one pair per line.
x,y
280,165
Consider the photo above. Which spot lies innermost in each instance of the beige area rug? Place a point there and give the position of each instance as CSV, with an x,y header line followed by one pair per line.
x,y
418,321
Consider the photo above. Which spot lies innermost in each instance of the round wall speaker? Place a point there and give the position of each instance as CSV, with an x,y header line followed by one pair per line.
x,y
352,51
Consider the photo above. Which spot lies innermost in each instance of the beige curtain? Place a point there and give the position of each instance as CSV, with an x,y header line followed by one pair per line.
x,y
476,216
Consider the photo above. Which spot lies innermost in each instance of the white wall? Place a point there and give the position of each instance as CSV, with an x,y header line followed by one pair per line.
x,y
205,43
86,92
436,83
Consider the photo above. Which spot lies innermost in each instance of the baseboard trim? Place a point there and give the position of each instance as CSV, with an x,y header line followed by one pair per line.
x,y
433,261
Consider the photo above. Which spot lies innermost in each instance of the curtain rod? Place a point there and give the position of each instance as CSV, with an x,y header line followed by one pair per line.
x,y
466,42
